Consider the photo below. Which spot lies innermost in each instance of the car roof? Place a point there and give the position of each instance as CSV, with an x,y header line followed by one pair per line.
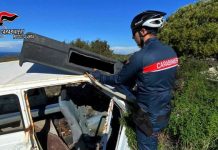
x,y
33,75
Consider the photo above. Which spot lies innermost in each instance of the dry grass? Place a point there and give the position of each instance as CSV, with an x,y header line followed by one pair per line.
x,y
6,59
165,143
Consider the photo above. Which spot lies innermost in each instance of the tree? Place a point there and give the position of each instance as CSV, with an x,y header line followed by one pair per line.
x,y
101,47
97,46
193,29
80,44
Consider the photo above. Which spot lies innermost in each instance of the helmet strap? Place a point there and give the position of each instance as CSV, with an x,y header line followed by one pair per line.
x,y
142,42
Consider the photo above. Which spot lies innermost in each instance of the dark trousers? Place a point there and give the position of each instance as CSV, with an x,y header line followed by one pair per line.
x,y
144,142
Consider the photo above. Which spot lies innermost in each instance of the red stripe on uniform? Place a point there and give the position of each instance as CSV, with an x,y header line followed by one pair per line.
x,y
161,65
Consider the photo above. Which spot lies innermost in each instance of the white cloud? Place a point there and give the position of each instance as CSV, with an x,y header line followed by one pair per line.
x,y
9,46
124,49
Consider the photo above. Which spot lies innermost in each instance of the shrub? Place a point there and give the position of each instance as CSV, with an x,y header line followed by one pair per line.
x,y
193,29
99,47
194,118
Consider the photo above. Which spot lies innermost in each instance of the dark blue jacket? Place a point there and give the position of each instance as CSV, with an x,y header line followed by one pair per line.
x,y
154,69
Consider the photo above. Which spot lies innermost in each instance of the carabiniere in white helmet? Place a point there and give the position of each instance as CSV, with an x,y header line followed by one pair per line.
x,y
150,20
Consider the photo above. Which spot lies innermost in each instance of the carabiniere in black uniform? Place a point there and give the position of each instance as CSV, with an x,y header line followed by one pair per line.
x,y
154,71
153,68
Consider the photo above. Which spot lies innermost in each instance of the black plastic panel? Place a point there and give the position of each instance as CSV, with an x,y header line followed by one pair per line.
x,y
56,54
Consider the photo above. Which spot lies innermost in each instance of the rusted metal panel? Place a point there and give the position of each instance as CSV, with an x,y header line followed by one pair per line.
x,y
107,125
30,130
55,143
48,136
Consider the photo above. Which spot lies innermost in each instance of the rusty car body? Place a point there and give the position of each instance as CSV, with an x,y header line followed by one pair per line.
x,y
45,108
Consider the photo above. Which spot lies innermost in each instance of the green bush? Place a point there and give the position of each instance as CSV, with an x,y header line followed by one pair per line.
x,y
99,47
194,118
193,29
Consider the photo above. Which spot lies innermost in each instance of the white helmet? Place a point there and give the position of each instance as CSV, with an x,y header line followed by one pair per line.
x,y
148,19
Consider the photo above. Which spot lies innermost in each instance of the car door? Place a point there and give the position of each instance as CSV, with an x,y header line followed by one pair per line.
x,y
122,100
14,122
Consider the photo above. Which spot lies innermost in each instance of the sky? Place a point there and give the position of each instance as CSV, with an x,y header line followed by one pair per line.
x,y
67,20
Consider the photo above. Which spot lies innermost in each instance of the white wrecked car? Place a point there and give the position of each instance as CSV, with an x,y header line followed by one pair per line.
x,y
44,108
